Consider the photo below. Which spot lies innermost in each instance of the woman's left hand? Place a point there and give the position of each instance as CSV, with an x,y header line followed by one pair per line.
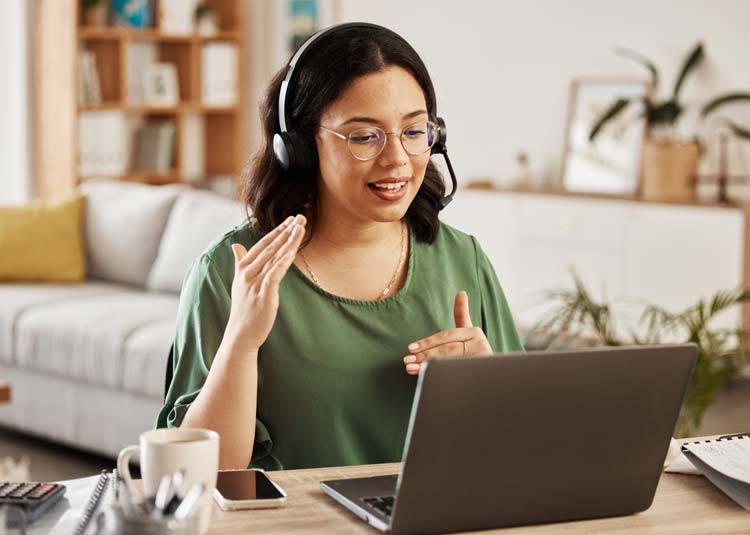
x,y
462,341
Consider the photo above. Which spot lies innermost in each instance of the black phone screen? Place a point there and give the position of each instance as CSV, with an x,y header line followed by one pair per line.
x,y
246,485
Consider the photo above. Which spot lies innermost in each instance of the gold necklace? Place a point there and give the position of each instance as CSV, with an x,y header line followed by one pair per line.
x,y
387,289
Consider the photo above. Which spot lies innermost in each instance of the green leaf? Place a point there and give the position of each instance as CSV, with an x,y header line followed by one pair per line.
x,y
643,61
613,111
664,113
725,299
692,61
723,99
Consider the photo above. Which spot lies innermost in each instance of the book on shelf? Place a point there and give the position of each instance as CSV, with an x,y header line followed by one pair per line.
x,y
154,146
89,90
133,13
177,17
138,57
102,143
219,84
192,151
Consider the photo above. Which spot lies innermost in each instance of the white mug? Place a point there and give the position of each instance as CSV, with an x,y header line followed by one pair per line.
x,y
164,451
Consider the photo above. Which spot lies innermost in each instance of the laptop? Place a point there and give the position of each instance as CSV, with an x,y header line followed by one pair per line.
x,y
527,438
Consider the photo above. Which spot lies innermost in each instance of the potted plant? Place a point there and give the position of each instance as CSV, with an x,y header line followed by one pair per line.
x,y
720,351
669,163
94,12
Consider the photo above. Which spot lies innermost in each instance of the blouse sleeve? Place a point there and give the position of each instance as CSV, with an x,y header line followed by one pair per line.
x,y
497,320
202,316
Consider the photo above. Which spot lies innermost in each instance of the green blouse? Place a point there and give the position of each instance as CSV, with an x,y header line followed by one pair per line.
x,y
332,387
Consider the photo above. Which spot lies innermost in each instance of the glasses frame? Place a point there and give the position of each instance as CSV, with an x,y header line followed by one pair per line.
x,y
400,135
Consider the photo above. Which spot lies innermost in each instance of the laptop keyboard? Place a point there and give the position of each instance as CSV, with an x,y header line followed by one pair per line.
x,y
383,504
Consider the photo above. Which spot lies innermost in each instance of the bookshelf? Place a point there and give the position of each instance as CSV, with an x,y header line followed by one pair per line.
x,y
83,134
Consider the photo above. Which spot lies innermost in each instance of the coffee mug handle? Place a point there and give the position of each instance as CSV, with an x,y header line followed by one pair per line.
x,y
123,464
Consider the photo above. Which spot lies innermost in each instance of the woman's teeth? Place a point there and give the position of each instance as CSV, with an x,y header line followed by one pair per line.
x,y
393,186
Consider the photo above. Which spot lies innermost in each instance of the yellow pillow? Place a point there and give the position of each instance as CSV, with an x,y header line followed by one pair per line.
x,y
43,241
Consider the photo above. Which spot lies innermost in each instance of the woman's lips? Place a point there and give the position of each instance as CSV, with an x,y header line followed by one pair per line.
x,y
389,190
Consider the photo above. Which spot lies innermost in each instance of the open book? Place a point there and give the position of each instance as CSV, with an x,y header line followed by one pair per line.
x,y
726,463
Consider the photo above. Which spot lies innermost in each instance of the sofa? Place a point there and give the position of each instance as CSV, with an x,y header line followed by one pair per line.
x,y
86,361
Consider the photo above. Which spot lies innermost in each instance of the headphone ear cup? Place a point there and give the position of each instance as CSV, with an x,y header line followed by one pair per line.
x,y
293,153
283,150
440,145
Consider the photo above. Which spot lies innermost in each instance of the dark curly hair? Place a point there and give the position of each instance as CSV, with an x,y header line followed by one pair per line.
x,y
270,193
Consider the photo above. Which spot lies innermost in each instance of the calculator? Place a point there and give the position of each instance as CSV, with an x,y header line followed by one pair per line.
x,y
33,498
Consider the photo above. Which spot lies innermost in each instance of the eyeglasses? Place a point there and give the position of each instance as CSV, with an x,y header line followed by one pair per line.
x,y
367,143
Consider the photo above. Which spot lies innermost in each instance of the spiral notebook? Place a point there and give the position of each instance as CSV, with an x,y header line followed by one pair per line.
x,y
726,463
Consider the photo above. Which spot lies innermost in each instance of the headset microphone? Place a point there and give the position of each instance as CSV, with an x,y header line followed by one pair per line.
x,y
441,148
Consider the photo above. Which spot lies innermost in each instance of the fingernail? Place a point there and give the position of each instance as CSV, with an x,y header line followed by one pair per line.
x,y
288,220
412,367
409,358
298,219
413,346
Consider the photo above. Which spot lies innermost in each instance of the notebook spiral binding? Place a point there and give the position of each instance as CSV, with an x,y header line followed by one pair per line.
x,y
93,504
738,436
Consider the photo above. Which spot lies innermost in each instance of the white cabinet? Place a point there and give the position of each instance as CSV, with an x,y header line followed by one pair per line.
x,y
624,251
679,254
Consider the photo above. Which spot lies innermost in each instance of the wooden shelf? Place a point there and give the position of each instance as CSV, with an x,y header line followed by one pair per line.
x,y
98,33
104,33
154,177
107,105
150,177
166,110
557,192
184,107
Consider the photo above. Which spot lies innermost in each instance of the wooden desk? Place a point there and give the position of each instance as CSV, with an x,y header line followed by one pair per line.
x,y
684,505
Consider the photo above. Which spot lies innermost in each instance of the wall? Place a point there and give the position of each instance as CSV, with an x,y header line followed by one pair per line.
x,y
502,68
15,160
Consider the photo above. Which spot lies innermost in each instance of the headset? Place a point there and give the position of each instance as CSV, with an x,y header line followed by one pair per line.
x,y
293,152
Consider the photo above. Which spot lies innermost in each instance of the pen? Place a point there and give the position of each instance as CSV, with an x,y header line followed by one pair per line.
x,y
190,502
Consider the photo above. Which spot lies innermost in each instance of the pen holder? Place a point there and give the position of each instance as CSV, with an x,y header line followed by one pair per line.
x,y
116,522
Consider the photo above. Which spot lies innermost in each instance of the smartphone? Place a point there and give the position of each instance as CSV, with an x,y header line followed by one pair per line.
x,y
247,489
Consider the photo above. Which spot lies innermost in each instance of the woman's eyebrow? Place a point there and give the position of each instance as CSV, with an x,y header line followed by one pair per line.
x,y
375,121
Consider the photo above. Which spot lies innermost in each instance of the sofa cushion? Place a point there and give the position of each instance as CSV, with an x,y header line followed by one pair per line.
x,y
197,218
43,241
18,299
145,359
124,223
84,339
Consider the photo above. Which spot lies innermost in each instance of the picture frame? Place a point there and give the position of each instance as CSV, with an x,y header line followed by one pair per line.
x,y
160,86
611,163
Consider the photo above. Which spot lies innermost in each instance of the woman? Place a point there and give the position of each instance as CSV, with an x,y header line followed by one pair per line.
x,y
300,334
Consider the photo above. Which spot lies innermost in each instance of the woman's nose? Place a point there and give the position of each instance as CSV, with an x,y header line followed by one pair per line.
x,y
393,153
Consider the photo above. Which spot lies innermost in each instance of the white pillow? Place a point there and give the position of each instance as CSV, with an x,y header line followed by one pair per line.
x,y
198,217
124,224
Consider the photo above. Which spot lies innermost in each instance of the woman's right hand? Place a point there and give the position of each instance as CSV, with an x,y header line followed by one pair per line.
x,y
257,275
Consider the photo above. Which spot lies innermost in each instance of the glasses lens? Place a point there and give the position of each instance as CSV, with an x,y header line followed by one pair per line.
x,y
366,143
418,138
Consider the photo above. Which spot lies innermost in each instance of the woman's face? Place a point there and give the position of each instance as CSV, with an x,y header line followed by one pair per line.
x,y
391,99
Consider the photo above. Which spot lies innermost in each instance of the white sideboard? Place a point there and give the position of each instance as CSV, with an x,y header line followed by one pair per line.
x,y
626,251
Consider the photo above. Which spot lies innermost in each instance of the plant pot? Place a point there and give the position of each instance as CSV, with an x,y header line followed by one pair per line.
x,y
95,15
668,170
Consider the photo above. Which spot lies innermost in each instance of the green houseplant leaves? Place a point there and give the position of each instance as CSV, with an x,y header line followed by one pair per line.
x,y
662,115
